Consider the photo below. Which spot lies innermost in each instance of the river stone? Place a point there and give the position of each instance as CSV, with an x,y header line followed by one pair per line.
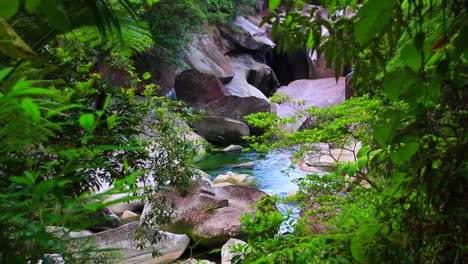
x,y
322,161
226,254
245,165
209,215
171,246
232,148
343,155
235,178
221,130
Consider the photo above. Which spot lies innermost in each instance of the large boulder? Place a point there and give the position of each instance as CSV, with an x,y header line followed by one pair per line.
x,y
210,215
170,246
248,36
256,74
221,130
235,107
320,93
104,219
197,89
205,55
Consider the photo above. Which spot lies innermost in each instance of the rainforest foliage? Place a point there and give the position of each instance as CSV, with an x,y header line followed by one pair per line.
x,y
65,131
402,200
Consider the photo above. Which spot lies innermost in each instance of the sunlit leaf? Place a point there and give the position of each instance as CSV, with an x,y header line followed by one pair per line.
x,y
87,122
31,109
273,4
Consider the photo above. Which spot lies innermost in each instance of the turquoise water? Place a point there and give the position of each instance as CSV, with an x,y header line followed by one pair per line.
x,y
272,172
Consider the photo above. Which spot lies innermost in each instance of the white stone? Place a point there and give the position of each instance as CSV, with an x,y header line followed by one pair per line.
x,y
232,148
226,254
234,178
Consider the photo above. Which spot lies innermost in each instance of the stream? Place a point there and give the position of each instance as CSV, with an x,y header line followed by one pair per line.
x,y
274,173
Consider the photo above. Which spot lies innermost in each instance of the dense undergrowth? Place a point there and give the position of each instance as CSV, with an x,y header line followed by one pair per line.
x,y
402,200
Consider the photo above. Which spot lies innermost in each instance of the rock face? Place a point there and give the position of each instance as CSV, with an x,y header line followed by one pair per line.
x,y
226,254
171,246
257,74
235,178
221,130
205,56
235,107
196,261
320,93
248,36
210,214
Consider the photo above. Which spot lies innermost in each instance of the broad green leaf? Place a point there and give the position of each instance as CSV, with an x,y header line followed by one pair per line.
x,y
146,75
11,44
87,122
363,152
20,180
5,72
353,166
386,130
151,2
396,83
8,8
273,4
362,163
357,248
404,152
55,14
374,16
410,56
32,5
31,109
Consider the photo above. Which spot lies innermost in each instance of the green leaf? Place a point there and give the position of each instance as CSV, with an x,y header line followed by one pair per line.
x,y
20,180
396,83
31,109
32,5
362,163
404,152
386,129
363,152
411,57
87,122
5,72
146,75
374,16
353,166
55,14
8,8
273,4
357,248
151,2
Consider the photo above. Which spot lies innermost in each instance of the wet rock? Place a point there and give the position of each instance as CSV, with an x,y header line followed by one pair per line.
x,y
221,130
236,107
232,148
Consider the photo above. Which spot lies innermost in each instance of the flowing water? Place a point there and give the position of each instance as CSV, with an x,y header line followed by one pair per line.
x,y
274,173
